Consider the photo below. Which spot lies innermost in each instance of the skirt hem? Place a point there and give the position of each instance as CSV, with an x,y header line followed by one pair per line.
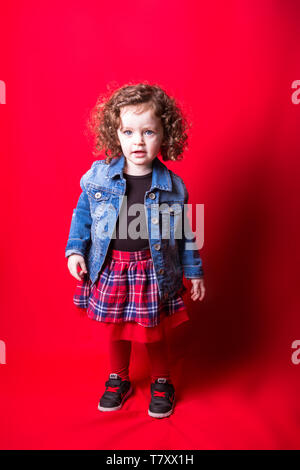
x,y
133,331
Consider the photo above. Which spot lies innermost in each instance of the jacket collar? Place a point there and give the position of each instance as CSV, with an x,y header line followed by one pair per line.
x,y
160,174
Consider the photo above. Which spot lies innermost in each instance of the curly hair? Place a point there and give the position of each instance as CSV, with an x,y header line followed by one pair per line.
x,y
104,119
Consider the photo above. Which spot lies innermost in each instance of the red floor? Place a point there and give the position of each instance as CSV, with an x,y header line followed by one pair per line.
x,y
51,403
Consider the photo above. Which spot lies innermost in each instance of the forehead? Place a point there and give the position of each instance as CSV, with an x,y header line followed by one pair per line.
x,y
138,115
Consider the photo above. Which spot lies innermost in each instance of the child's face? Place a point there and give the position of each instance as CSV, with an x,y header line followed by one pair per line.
x,y
141,131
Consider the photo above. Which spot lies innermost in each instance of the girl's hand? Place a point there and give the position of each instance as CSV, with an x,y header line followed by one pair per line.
x,y
198,289
74,261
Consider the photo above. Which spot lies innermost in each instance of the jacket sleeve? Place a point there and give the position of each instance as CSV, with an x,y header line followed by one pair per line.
x,y
80,231
188,250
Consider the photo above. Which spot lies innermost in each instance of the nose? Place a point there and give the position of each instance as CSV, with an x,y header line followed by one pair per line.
x,y
138,138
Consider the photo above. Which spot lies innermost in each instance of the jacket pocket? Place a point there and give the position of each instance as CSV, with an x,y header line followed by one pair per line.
x,y
97,193
99,199
171,220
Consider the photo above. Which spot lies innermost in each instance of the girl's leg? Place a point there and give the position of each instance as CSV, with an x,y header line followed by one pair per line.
x,y
120,351
158,356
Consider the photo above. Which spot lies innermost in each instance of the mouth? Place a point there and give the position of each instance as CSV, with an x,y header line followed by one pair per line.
x,y
139,153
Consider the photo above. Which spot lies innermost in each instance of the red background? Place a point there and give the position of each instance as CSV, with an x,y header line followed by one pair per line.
x,y
230,66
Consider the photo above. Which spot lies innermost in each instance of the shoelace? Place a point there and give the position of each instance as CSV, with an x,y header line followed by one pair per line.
x,y
112,389
163,394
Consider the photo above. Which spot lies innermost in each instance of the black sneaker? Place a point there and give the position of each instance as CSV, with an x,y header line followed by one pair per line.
x,y
162,399
117,391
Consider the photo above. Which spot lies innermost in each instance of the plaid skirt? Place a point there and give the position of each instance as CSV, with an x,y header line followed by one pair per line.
x,y
125,298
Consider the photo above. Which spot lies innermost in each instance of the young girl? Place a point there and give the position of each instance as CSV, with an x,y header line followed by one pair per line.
x,y
132,285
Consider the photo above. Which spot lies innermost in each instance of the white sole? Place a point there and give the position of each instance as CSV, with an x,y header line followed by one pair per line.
x,y
115,408
162,415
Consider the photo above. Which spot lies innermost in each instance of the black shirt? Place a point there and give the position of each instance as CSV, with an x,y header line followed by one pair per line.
x,y
136,187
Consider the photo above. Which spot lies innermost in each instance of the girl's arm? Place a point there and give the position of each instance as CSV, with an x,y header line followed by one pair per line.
x,y
190,258
80,231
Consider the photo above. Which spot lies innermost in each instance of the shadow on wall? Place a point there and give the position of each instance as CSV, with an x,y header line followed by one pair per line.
x,y
228,327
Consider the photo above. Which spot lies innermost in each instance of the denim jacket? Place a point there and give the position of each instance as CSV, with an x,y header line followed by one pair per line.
x,y
94,219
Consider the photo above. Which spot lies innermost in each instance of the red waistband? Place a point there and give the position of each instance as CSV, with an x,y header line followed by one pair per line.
x,y
129,255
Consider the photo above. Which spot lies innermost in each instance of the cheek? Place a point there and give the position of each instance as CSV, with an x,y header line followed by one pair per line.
x,y
157,143
160,138
122,142
121,138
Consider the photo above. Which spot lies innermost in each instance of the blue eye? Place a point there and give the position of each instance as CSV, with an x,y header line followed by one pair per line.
x,y
148,130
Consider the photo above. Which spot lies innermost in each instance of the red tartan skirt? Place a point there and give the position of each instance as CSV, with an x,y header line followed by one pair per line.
x,y
125,298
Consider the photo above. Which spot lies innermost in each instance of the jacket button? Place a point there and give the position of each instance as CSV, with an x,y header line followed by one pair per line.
x,y
98,195
152,196
157,246
154,220
166,295
161,271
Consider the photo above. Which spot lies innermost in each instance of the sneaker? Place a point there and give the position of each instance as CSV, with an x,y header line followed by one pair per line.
x,y
162,399
117,391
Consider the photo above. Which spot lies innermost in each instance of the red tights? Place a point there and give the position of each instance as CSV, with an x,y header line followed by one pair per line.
x,y
120,357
